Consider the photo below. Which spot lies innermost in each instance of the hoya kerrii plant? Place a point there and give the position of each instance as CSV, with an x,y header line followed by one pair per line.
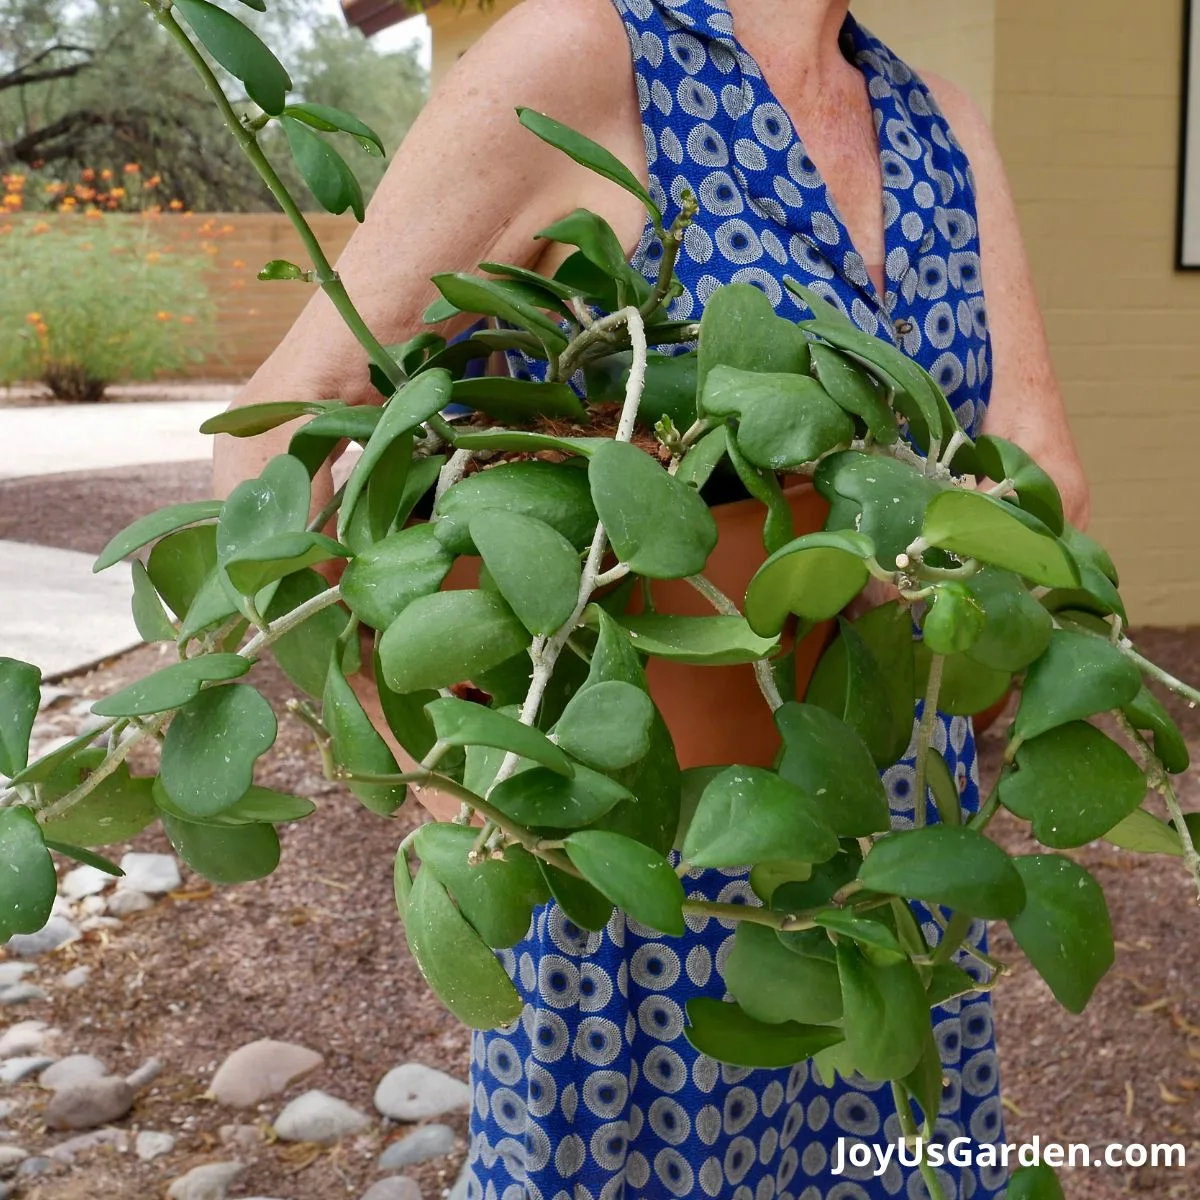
x,y
560,502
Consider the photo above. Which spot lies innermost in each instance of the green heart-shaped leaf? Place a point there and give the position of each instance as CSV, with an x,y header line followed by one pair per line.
x,y
773,985
1017,629
28,884
20,698
583,905
224,854
968,687
1036,491
498,896
831,765
157,525
333,120
519,400
211,747
748,815
533,566
724,1032
1078,676
942,864
635,878
249,420
357,745
658,527
506,299
554,493
814,577
1074,784
855,391
455,960
150,619
119,808
700,641
1146,713
1144,833
461,723
546,800
172,687
326,172
180,564
974,525
304,653
266,562
416,654
314,441
382,581
607,725
1064,927
241,52
885,1014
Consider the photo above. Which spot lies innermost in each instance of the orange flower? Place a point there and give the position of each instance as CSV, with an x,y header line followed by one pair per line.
x,y
34,318
40,227
238,264
175,205
87,174
93,212
117,193
132,168
153,256
13,200
226,229
106,174
162,316
153,181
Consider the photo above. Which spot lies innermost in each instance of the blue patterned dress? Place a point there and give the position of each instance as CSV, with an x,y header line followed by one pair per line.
x,y
595,1094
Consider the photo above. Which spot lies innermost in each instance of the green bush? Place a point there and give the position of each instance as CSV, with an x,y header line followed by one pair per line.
x,y
89,301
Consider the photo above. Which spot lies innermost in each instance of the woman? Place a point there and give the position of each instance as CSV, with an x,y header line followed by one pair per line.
x,y
894,205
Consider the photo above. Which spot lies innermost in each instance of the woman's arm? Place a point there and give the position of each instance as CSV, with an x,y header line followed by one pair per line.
x,y
1027,403
469,184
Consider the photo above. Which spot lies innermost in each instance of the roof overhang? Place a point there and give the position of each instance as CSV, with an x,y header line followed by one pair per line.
x,y
372,16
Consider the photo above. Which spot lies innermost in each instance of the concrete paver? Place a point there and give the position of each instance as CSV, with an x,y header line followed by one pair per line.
x,y
56,614
50,440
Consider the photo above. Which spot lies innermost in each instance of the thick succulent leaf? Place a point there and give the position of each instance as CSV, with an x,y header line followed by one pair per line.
x,y
461,723
20,698
699,641
1017,629
724,1032
28,884
381,582
855,391
544,799
1145,712
224,854
607,725
885,1014
635,878
774,985
357,746
172,687
1036,491
157,525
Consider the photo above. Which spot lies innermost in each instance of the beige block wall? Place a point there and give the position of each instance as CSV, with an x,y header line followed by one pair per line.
x,y
455,30
952,38
1087,115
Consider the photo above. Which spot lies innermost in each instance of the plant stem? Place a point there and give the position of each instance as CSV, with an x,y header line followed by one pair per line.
x,y
781,922
272,633
1168,681
726,607
1160,781
990,807
323,271
937,665
908,1127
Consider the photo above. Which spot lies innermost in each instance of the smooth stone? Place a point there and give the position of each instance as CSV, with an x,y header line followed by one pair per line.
x,y
145,1075
94,923
65,1151
150,1145
430,1141
260,1070
319,1117
58,931
209,1182
85,881
21,993
75,1068
39,1164
76,977
396,1188
89,1103
93,906
155,874
414,1091
52,695
124,902
11,1156
25,1037
22,1066
14,972
7,1108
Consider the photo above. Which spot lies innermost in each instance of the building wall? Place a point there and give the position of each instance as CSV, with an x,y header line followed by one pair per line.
x,y
454,31
1087,115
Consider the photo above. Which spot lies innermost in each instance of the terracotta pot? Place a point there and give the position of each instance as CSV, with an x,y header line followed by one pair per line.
x,y
717,715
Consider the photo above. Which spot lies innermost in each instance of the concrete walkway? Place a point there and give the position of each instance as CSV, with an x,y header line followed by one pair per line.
x,y
51,440
53,611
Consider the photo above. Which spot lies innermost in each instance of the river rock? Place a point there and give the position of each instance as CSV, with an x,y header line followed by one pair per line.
x,y
65,1151
85,881
209,1182
413,1092
89,1103
430,1141
396,1188
75,1068
150,1145
145,1075
319,1117
37,1164
13,1070
155,874
245,1138
260,1070
58,931
25,1037
21,993
124,902
11,1157
76,977
14,972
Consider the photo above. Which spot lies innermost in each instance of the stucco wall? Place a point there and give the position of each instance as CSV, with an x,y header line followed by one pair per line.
x,y
1087,114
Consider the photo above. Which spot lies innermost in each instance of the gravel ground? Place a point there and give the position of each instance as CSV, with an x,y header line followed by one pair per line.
x,y
315,954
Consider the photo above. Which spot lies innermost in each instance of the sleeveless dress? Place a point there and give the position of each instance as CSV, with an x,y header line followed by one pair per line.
x,y
595,1093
